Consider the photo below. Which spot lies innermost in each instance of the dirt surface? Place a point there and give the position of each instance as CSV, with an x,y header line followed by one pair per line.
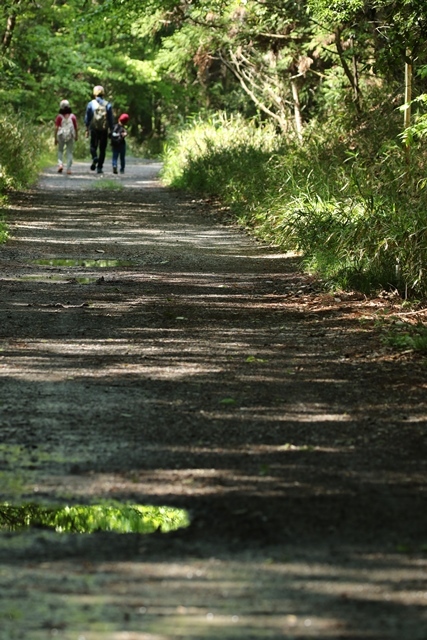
x,y
197,368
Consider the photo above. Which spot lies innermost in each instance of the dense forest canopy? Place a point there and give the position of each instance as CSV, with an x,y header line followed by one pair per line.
x,y
284,61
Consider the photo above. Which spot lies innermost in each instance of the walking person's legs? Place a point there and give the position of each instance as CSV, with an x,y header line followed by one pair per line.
x,y
94,141
122,157
60,155
115,158
103,140
70,147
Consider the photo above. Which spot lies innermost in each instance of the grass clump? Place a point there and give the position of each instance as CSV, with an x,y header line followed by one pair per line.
x,y
406,336
221,157
22,152
108,184
4,234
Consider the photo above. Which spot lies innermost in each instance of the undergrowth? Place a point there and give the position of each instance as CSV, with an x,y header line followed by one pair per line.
x,y
403,335
23,151
346,198
3,230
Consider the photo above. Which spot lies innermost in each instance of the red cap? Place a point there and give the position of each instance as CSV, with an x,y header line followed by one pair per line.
x,y
124,118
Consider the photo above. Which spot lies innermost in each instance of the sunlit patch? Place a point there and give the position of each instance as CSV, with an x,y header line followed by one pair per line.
x,y
89,519
47,277
100,263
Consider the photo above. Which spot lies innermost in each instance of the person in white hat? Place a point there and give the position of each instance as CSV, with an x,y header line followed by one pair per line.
x,y
99,121
66,133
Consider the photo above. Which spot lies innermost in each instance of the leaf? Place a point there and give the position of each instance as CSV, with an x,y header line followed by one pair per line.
x,y
254,359
264,470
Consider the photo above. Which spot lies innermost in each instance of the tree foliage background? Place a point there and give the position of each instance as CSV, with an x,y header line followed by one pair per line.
x,y
286,61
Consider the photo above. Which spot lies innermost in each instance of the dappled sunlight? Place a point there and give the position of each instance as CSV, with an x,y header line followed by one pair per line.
x,y
180,483
136,223
151,356
277,595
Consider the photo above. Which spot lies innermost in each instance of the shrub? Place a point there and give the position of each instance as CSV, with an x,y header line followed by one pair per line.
x,y
20,151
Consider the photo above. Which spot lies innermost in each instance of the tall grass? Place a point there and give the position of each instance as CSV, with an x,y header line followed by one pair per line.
x,y
222,156
23,151
3,228
345,199
20,151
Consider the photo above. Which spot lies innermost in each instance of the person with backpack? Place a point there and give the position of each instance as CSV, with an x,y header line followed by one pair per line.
x,y
118,142
65,135
99,121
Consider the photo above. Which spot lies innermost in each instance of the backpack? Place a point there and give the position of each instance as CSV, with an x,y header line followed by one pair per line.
x,y
66,129
117,136
99,120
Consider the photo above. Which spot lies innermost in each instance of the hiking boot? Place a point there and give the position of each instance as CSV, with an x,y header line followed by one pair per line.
x,y
93,165
99,170
122,170
69,172
60,168
114,169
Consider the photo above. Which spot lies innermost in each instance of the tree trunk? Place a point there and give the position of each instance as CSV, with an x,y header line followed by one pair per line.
x,y
408,97
297,108
348,72
356,89
10,27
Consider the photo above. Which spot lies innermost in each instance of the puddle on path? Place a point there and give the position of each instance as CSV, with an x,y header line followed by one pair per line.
x,y
97,263
88,519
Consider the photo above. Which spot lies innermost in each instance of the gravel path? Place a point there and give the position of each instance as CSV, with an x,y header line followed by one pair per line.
x,y
152,353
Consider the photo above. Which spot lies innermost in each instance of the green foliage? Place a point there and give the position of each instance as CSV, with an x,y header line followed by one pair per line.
x,y
88,519
23,144
216,156
345,200
61,50
335,11
406,336
4,234
418,129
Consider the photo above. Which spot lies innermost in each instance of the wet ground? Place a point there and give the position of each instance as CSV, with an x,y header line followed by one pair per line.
x,y
151,353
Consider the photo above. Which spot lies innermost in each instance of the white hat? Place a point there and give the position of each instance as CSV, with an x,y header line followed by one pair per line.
x,y
64,103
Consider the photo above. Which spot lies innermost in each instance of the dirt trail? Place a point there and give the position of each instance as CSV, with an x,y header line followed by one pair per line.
x,y
151,353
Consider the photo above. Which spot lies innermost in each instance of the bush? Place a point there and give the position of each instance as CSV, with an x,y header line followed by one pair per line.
x,y
220,157
21,151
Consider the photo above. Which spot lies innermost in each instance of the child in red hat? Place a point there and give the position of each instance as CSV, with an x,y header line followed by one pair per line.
x,y
118,142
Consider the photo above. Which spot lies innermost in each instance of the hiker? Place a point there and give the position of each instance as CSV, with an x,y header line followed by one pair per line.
x,y
118,142
98,121
65,135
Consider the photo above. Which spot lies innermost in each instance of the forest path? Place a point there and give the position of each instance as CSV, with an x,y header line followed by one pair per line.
x,y
151,353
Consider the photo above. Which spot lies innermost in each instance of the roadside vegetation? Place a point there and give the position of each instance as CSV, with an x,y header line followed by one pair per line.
x,y
306,120
23,151
347,200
